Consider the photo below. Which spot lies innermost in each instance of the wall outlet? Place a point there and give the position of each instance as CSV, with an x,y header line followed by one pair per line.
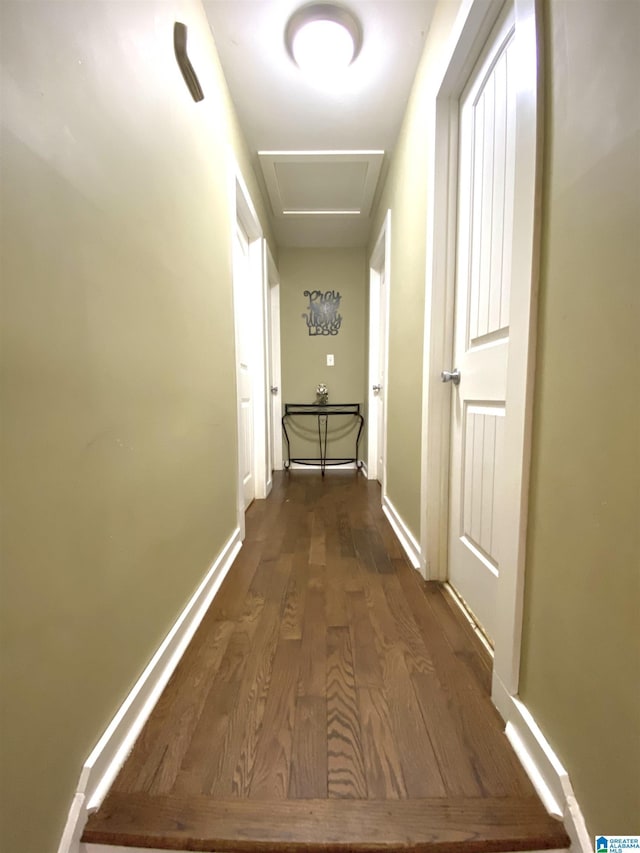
x,y
329,360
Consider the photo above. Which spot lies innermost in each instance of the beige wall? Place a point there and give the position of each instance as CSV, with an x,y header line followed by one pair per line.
x,y
118,484
405,193
304,356
118,397
581,656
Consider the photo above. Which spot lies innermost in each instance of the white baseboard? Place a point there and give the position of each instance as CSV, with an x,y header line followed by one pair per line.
x,y
109,754
76,819
407,539
365,470
542,765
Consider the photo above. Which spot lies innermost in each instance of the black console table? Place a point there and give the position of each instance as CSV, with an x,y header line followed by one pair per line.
x,y
322,412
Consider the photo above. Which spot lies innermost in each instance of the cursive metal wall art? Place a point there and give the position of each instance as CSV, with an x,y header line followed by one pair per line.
x,y
323,317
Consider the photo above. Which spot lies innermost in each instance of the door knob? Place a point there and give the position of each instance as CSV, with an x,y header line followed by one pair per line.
x,y
451,376
274,389
376,388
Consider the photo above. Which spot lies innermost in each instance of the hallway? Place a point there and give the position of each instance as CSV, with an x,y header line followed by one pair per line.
x,y
330,700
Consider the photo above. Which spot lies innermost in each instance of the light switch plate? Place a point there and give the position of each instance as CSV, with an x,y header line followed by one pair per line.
x,y
329,360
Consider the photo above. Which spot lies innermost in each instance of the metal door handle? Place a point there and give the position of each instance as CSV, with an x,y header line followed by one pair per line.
x,y
376,387
451,376
274,389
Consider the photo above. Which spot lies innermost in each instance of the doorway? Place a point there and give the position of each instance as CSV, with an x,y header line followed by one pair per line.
x,y
245,364
274,369
486,161
476,433
253,348
379,267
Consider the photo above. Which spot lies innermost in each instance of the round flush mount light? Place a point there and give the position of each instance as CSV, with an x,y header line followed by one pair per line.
x,y
323,38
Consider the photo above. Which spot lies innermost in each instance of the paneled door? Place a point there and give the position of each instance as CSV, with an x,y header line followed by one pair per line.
x,y
378,347
382,377
487,147
275,396
242,295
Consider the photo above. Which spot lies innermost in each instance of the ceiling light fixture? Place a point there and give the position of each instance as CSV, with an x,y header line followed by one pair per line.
x,y
323,38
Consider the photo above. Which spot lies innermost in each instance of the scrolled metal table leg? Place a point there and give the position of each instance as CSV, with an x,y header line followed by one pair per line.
x,y
323,421
287,462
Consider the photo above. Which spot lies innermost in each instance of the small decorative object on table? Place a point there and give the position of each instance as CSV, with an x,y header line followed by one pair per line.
x,y
322,394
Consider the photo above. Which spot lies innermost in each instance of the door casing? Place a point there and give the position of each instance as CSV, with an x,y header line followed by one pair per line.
x,y
243,286
471,30
274,372
244,213
379,266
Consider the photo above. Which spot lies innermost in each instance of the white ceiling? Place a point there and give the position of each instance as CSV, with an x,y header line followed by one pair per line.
x,y
284,114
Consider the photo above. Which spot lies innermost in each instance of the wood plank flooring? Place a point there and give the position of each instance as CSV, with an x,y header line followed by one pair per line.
x,y
329,701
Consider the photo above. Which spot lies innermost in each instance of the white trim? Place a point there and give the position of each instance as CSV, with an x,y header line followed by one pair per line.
x,y
364,468
275,361
539,783
244,213
234,198
259,374
321,212
109,754
406,537
542,765
379,264
74,827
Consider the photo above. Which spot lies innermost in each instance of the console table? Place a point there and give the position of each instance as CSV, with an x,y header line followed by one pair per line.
x,y
322,412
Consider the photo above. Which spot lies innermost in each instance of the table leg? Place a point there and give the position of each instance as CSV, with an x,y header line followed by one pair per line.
x,y
287,464
323,421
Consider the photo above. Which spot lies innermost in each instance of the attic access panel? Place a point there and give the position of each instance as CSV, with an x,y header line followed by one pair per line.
x,y
321,183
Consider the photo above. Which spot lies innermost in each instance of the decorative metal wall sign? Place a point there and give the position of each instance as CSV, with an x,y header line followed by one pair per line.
x,y
323,317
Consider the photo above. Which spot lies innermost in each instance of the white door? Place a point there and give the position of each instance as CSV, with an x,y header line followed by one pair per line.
x,y
382,378
271,391
378,340
487,147
275,395
242,295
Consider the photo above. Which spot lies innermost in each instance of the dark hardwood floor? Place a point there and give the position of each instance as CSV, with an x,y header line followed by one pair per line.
x,y
330,701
